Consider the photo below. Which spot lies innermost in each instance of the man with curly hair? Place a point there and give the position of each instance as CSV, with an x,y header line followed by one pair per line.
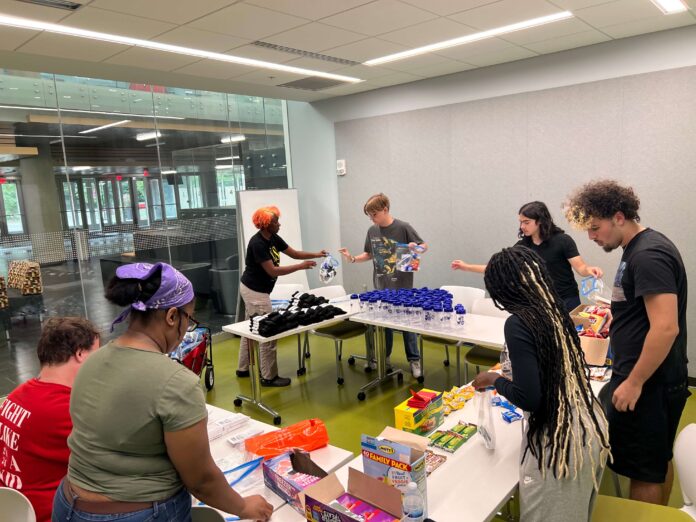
x,y
648,387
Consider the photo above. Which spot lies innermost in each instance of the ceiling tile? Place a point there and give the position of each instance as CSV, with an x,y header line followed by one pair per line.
x,y
448,7
462,52
572,5
317,65
379,17
262,53
266,77
428,32
213,69
176,12
504,55
315,37
35,12
310,9
50,44
422,60
248,21
352,88
365,49
395,79
95,19
649,25
564,43
618,12
505,12
363,72
441,69
150,59
189,37
13,37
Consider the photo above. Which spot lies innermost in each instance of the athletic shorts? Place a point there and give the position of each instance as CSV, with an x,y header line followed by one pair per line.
x,y
642,440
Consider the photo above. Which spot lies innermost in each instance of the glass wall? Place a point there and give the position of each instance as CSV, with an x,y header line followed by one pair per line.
x,y
97,173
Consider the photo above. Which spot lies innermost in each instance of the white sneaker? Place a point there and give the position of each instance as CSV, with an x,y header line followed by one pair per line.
x,y
373,364
416,369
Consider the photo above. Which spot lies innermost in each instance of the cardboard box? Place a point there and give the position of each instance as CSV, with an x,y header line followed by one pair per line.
x,y
321,498
419,421
396,458
595,349
289,474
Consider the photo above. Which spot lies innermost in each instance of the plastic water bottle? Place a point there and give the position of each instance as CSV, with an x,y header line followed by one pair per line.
x,y
447,318
414,507
354,303
461,317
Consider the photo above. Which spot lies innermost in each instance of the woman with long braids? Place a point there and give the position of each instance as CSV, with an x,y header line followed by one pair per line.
x,y
539,233
567,443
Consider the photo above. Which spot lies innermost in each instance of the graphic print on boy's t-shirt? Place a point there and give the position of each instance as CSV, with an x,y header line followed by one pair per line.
x,y
275,255
617,293
384,255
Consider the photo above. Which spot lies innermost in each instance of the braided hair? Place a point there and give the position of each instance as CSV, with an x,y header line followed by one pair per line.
x,y
518,282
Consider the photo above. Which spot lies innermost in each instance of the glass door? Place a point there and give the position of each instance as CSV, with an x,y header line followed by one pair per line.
x,y
12,208
89,191
125,201
108,206
73,211
141,202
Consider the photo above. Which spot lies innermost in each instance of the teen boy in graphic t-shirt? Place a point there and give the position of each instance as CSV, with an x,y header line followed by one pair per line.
x,y
35,417
380,246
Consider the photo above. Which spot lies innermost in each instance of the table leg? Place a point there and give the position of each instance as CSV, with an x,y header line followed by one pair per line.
x,y
381,356
255,377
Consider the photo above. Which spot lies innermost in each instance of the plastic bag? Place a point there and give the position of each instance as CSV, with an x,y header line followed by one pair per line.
x,y
593,289
485,417
308,435
327,269
408,259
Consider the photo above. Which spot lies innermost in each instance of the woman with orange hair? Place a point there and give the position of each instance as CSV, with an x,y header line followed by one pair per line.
x,y
259,277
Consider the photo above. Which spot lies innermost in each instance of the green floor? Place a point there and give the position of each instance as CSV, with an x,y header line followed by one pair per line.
x,y
316,394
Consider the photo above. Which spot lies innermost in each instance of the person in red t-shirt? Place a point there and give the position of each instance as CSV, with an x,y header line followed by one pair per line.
x,y
35,417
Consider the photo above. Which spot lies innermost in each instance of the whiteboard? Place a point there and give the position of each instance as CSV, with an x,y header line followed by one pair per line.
x,y
287,202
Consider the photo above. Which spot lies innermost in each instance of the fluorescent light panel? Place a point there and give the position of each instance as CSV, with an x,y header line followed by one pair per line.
x,y
95,129
25,23
475,37
233,138
169,172
222,167
227,158
670,6
79,169
46,136
144,136
89,112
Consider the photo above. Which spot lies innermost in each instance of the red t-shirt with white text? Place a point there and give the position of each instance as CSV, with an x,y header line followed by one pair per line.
x,y
34,428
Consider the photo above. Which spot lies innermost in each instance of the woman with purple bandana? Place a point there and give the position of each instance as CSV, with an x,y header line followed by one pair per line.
x,y
139,445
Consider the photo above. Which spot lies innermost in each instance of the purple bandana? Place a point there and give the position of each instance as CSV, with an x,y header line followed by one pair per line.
x,y
174,291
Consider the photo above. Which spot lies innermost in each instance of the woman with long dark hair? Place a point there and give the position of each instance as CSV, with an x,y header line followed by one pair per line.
x,y
566,442
539,233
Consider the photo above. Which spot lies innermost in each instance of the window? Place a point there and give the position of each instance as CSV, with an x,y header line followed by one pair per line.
x,y
12,205
190,192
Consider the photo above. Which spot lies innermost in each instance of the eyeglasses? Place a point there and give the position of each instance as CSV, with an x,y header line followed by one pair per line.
x,y
193,324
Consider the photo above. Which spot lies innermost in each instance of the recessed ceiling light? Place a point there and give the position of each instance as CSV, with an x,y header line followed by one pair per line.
x,y
227,158
223,167
87,112
25,23
670,6
233,139
169,172
144,136
95,129
47,136
79,169
475,37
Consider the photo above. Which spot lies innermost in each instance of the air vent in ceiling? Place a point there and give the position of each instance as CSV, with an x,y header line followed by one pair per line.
x,y
306,54
56,4
312,83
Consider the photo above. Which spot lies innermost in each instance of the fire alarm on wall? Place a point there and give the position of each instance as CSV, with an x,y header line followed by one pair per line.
x,y
341,167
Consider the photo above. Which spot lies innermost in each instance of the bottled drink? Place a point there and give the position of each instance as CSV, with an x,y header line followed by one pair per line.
x,y
460,314
447,318
354,303
413,505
